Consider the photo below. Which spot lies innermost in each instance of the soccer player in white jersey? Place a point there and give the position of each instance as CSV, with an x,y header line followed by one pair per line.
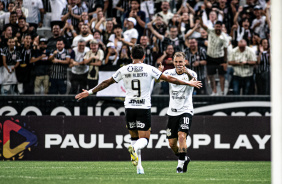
x,y
180,110
137,79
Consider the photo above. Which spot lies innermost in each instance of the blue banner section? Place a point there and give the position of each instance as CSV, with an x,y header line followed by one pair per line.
x,y
86,138
113,106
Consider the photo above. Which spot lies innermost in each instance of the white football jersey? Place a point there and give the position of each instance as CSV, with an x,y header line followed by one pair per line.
x,y
180,100
137,80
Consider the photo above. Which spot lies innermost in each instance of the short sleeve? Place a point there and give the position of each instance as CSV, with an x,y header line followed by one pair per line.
x,y
155,73
117,76
40,4
135,34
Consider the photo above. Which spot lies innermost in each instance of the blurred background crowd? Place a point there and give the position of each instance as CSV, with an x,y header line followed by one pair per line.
x,y
62,47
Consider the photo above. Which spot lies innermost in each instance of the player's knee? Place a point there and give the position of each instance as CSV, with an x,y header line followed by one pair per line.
x,y
172,145
181,137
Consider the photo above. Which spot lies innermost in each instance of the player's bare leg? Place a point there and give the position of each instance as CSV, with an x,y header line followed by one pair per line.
x,y
183,160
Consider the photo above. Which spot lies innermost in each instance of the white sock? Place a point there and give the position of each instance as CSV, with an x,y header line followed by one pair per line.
x,y
139,158
140,144
133,142
180,163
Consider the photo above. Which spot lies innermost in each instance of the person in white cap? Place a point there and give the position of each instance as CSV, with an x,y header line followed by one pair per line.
x,y
131,34
138,15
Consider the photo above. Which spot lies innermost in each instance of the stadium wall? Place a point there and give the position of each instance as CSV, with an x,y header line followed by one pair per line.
x,y
113,106
84,138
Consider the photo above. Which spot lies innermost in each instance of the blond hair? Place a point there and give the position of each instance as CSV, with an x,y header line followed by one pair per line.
x,y
179,54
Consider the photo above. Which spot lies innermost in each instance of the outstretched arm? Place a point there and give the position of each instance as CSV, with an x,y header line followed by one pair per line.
x,y
99,87
168,78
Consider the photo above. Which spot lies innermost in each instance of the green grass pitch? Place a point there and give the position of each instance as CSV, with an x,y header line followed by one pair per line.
x,y
164,172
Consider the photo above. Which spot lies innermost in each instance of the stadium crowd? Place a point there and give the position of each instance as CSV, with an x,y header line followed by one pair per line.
x,y
226,42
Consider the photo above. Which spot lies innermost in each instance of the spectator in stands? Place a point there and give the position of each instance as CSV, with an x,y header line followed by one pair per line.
x,y
175,21
131,34
93,5
124,56
8,32
138,15
172,39
194,32
94,59
84,34
52,42
68,32
203,40
23,28
108,30
240,30
210,22
263,69
111,56
94,21
186,23
85,18
216,55
82,5
116,36
243,60
165,13
71,13
159,24
97,36
196,57
11,60
19,4
60,60
24,72
41,67
167,61
34,6
13,23
79,69
258,24
148,51
147,6
6,16
2,12
57,7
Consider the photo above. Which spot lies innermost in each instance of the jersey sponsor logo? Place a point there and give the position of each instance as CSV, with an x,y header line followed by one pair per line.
x,y
141,101
138,68
184,126
140,124
140,75
130,69
175,96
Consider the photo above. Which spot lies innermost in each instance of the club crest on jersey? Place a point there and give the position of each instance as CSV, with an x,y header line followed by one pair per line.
x,y
130,69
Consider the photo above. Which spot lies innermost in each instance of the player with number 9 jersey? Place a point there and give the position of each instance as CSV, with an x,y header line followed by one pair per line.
x,y
137,79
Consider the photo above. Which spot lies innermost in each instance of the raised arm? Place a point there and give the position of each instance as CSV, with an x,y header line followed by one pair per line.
x,y
158,35
202,24
99,87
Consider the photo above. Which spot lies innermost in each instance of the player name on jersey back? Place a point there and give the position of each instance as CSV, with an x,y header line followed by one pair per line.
x,y
137,79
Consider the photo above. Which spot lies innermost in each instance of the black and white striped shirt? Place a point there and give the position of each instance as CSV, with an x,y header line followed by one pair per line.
x,y
200,55
11,57
264,65
58,70
77,11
